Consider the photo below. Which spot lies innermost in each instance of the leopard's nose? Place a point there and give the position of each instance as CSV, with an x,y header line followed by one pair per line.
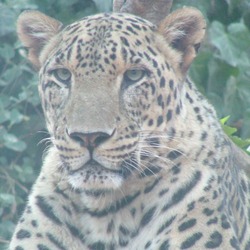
x,y
89,140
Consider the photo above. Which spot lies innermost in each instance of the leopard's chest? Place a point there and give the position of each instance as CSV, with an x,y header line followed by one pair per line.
x,y
145,219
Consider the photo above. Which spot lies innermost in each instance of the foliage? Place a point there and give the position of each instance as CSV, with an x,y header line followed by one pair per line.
x,y
221,72
230,131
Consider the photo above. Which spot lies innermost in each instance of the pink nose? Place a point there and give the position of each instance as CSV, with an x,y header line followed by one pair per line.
x,y
89,140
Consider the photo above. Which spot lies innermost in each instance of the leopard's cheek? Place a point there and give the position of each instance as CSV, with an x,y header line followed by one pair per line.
x,y
54,99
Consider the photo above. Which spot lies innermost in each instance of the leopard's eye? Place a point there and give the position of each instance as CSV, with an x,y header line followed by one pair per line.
x,y
63,75
134,75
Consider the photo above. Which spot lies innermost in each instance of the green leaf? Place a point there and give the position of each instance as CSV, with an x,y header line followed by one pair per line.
x,y
240,142
4,113
6,199
199,69
224,120
12,142
3,83
229,130
15,117
219,73
232,101
232,43
7,20
245,133
12,74
6,230
7,52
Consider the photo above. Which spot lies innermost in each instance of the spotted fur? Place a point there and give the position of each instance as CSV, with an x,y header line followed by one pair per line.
x,y
138,158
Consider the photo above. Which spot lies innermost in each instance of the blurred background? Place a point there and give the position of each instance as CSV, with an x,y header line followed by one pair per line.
x,y
221,71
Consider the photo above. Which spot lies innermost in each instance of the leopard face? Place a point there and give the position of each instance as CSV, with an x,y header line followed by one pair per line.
x,y
111,91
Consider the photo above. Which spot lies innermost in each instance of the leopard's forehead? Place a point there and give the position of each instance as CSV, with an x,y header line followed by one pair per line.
x,y
101,39
105,24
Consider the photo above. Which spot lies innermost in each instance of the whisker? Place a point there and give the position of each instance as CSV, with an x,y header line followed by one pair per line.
x,y
152,155
162,147
44,141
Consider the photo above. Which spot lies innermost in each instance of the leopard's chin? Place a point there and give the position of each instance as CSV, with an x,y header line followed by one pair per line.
x,y
94,176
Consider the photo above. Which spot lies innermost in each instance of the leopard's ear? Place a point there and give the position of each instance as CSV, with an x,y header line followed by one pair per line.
x,y
184,30
35,29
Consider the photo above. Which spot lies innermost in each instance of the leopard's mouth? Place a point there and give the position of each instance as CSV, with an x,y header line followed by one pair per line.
x,y
93,175
94,166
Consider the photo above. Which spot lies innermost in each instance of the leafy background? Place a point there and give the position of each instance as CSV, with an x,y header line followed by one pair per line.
x,y
221,71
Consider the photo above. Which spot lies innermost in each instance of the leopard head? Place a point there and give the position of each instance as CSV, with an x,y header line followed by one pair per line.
x,y
110,87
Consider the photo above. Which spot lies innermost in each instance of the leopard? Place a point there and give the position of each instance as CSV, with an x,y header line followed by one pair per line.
x,y
138,158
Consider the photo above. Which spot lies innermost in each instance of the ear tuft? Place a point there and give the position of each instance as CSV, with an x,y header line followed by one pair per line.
x,y
34,30
184,30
